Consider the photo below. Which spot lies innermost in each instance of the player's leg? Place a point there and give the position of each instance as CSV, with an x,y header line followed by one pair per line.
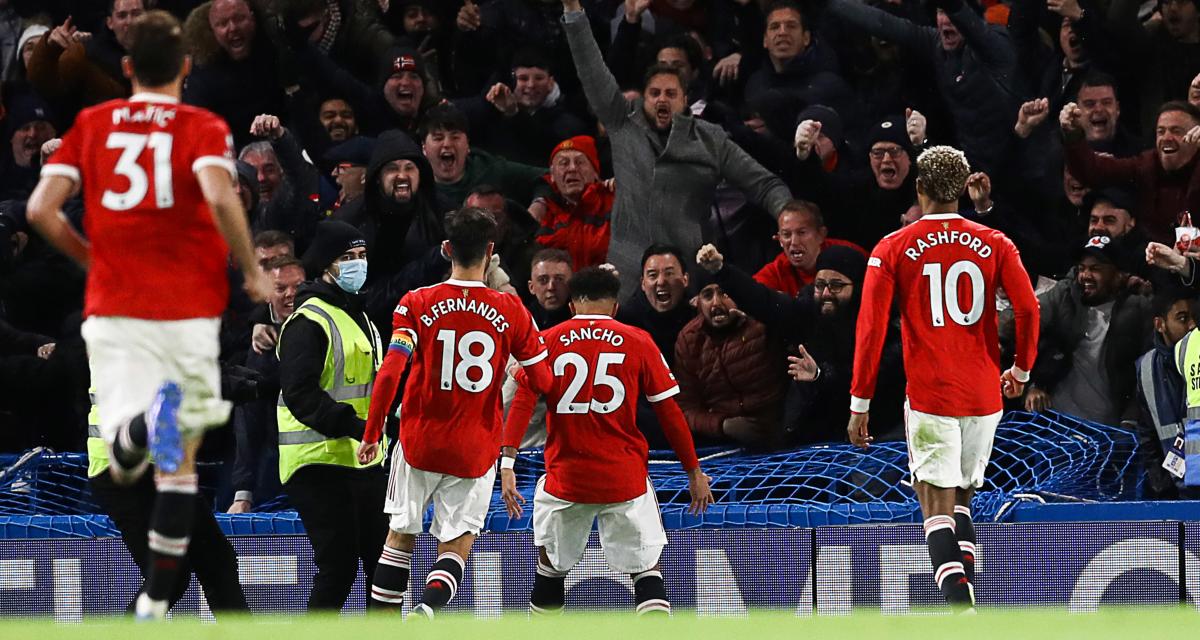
x,y
978,435
408,492
460,506
170,533
560,532
934,453
633,538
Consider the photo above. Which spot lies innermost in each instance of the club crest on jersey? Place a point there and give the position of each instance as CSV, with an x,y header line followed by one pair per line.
x,y
945,225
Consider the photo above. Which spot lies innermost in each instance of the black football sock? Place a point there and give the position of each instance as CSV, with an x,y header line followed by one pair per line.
x,y
964,530
549,591
948,571
650,593
442,581
129,448
391,579
170,533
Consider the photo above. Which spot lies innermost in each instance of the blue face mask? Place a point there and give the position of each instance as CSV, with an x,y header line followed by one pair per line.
x,y
351,275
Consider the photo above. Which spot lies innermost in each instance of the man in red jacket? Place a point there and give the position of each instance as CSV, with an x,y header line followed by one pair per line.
x,y
577,215
801,236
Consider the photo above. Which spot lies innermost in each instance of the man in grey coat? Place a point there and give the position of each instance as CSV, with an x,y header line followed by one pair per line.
x,y
667,164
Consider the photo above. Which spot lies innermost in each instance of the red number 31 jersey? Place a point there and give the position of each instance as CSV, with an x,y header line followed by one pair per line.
x,y
156,251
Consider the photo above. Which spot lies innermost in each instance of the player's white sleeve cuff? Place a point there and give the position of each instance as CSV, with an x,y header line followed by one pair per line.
x,y
534,360
61,170
215,161
1020,374
659,397
859,405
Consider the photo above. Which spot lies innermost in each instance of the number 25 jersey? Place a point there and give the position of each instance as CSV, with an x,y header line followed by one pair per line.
x,y
944,271
462,333
156,252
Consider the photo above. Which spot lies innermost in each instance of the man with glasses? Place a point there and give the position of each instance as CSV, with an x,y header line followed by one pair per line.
x,y
802,237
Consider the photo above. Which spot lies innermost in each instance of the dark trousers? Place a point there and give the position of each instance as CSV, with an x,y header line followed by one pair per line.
x,y
209,555
342,511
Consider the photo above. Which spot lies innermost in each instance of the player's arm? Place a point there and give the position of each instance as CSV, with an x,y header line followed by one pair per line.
x,y
519,413
870,334
660,389
1026,316
44,212
530,351
216,183
387,383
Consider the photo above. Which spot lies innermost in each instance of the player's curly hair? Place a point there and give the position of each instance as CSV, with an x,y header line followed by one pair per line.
x,y
942,173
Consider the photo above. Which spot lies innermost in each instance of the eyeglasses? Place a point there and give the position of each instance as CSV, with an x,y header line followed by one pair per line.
x,y
891,152
835,286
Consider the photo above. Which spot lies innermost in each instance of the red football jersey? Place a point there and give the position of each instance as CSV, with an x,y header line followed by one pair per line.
x,y
463,333
156,251
946,271
595,452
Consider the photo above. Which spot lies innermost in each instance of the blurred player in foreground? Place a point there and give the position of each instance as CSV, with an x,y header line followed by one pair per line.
x,y
595,455
945,270
157,179
458,335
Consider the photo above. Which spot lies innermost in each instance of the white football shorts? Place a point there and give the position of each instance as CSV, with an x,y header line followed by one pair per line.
x,y
460,505
631,532
949,452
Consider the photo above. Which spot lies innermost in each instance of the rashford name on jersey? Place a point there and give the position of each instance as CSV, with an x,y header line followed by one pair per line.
x,y
935,238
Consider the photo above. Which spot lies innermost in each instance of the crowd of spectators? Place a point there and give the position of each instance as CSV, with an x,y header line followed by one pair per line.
x,y
633,132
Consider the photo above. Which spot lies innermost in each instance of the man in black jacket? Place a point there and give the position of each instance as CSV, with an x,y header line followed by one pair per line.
x,y
338,499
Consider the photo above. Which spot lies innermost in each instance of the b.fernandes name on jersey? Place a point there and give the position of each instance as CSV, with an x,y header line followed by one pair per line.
x,y
453,305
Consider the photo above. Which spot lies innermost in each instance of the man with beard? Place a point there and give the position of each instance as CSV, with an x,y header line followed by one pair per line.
x,y
821,323
397,217
457,168
1093,328
578,213
338,119
802,236
1166,179
731,374
29,127
671,162
287,183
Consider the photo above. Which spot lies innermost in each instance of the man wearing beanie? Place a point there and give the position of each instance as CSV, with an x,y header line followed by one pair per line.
x,y
29,126
329,352
578,212
819,326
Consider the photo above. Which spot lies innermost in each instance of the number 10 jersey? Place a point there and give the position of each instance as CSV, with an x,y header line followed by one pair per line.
x,y
944,271
156,251
462,334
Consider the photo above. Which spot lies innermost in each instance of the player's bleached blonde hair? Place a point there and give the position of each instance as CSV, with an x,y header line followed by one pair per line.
x,y
942,173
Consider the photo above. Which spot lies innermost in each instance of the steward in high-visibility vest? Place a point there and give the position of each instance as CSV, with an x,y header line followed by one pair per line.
x,y
1187,359
329,352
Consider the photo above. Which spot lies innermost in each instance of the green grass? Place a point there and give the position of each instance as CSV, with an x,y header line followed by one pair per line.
x,y
1026,624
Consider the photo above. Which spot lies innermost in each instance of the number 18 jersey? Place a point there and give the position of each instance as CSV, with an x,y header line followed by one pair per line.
x,y
156,251
944,271
462,333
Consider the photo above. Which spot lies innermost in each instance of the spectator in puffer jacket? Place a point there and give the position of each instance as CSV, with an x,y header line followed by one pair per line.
x,y
731,370
578,212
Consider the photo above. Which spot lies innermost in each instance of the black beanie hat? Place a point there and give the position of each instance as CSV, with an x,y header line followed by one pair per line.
x,y
892,130
845,261
333,238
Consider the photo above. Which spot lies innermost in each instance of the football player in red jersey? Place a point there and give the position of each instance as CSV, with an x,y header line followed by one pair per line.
x,y
157,178
596,456
945,270
458,336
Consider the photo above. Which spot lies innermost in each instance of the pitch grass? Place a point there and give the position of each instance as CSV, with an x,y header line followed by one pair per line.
x,y
1024,624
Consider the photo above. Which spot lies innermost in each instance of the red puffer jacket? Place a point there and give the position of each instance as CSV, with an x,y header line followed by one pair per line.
x,y
582,230
738,372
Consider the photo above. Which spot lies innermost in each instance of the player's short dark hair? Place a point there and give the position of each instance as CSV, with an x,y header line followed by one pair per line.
x,y
594,283
551,254
779,5
469,231
664,70
444,117
273,238
156,48
1180,105
687,44
283,262
659,249
804,206
1096,78
1166,297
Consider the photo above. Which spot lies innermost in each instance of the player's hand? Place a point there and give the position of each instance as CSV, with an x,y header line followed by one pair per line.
x,y
1070,118
266,126
240,506
803,368
726,71
367,452
469,18
263,338
710,259
915,125
257,285
1010,386
508,491
857,430
1031,114
1164,257
1037,400
806,137
701,492
503,99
